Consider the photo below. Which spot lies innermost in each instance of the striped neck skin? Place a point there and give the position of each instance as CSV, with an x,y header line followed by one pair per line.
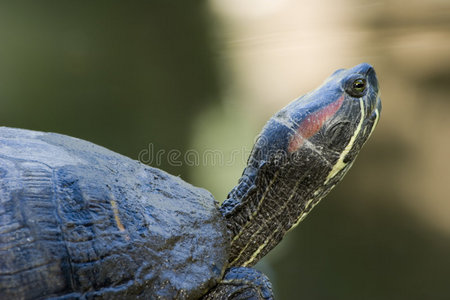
x,y
302,153
270,201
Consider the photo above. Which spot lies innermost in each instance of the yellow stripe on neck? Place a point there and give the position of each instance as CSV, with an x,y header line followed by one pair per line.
x,y
340,163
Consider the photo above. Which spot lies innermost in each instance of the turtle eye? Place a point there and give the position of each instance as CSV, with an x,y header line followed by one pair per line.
x,y
357,87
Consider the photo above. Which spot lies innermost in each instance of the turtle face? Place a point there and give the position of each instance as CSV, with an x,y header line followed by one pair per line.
x,y
316,138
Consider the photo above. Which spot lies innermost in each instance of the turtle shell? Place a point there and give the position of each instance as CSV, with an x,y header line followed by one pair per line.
x,y
80,221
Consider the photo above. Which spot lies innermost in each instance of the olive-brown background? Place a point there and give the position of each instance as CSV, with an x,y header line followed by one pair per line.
x,y
201,78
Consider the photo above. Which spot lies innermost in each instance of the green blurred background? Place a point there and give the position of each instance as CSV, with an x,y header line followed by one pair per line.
x,y
200,77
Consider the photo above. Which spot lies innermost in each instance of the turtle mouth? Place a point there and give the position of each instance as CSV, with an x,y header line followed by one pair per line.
x,y
375,115
376,112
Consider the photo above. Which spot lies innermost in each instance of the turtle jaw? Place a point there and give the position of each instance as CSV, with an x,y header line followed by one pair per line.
x,y
377,110
374,116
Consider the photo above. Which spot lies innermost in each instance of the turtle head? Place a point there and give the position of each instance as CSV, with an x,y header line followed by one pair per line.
x,y
302,152
319,134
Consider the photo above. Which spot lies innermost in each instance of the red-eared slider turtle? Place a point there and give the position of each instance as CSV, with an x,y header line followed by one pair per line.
x,y
78,221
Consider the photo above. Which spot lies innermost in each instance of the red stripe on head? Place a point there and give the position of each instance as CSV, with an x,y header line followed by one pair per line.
x,y
312,124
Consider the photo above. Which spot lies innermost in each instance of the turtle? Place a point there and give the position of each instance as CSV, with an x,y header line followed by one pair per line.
x,y
78,221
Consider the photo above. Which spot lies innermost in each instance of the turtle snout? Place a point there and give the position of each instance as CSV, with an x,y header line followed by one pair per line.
x,y
372,79
373,96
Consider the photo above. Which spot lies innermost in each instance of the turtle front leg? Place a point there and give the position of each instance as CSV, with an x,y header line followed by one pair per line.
x,y
241,283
